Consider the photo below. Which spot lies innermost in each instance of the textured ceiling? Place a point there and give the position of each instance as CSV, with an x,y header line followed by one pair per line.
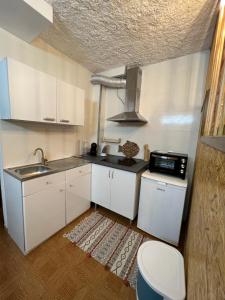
x,y
102,34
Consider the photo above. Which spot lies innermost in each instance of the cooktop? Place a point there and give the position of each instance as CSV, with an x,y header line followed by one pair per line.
x,y
120,161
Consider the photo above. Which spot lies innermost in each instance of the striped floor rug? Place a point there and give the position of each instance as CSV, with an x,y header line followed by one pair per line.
x,y
110,243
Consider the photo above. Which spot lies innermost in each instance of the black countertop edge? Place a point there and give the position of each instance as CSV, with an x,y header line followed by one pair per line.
x,y
140,165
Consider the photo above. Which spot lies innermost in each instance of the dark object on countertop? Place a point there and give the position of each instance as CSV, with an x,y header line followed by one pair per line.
x,y
93,150
127,162
119,162
170,163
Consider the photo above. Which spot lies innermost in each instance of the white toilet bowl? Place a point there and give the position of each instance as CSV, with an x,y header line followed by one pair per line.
x,y
160,272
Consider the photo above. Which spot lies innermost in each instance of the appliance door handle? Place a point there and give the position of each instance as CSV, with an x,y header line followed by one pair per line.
x,y
162,183
112,174
109,174
165,157
161,190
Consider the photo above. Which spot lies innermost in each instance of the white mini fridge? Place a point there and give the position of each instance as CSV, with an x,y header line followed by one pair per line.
x,y
161,206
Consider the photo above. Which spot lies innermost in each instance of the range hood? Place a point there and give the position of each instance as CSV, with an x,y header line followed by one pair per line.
x,y
132,84
132,100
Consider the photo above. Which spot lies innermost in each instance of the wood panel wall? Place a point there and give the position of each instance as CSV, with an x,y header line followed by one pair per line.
x,y
204,251
213,116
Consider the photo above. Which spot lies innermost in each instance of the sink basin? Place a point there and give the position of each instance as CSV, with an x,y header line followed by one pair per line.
x,y
32,170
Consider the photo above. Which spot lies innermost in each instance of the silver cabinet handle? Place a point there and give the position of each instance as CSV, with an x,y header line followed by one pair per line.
x,y
64,121
49,119
71,185
159,189
109,173
112,174
48,182
61,190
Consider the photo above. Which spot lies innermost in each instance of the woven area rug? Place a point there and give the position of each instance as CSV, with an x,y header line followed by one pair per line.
x,y
110,243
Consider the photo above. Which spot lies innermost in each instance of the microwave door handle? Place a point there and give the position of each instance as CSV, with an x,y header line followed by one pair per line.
x,y
165,157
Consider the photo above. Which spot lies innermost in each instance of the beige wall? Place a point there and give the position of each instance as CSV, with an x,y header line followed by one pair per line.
x,y
18,140
58,141
171,99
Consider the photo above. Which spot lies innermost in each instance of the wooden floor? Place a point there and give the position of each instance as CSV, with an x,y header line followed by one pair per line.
x,y
57,270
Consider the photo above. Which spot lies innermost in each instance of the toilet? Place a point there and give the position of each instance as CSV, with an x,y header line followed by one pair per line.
x,y
160,272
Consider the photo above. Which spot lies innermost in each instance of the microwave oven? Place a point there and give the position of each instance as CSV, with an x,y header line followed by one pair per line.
x,y
169,163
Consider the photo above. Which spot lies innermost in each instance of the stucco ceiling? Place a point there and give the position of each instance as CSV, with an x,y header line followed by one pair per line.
x,y
102,34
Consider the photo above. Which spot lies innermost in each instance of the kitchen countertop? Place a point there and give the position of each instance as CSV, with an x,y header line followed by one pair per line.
x,y
61,165
55,166
112,161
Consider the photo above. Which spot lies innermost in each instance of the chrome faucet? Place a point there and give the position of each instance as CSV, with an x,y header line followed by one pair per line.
x,y
43,158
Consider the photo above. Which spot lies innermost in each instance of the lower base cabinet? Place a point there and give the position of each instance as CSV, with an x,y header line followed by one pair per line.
x,y
116,190
38,208
44,214
78,192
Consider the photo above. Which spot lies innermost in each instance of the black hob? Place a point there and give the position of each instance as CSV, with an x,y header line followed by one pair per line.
x,y
120,161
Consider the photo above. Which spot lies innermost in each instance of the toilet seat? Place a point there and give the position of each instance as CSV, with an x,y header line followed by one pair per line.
x,y
162,267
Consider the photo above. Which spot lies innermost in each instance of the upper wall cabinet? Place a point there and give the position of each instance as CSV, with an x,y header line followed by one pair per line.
x,y
30,95
19,91
47,97
70,104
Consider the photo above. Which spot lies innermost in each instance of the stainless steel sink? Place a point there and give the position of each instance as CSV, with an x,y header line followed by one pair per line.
x,y
32,170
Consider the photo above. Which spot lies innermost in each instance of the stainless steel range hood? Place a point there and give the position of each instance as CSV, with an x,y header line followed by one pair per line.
x,y
132,84
132,100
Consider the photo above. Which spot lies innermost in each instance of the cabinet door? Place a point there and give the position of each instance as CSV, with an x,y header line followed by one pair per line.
x,y
78,196
47,97
161,209
100,185
123,193
70,106
44,214
23,91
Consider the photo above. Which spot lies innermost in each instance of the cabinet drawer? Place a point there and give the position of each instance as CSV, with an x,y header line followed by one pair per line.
x,y
79,171
35,185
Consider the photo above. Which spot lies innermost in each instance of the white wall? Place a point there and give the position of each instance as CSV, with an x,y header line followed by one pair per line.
x,y
18,140
171,99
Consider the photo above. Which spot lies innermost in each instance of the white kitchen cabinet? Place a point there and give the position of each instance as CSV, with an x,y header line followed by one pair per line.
x,y
30,95
123,193
44,214
14,210
19,91
70,104
116,190
100,193
78,192
47,98
161,206
35,208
